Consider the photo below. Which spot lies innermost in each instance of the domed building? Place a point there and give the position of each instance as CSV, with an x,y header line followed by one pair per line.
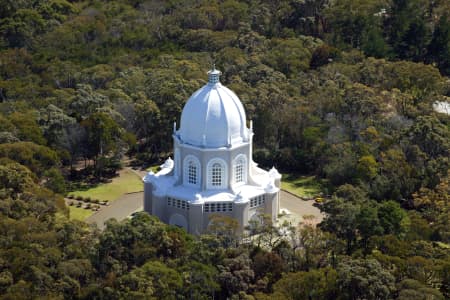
x,y
212,170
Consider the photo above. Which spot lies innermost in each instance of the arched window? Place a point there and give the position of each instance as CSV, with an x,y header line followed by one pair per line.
x,y
240,169
217,174
192,171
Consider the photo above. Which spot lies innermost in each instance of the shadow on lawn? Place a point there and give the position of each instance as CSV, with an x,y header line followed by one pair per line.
x,y
84,179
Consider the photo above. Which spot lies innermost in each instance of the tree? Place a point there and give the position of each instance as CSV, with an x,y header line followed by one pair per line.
x,y
87,101
432,202
364,279
27,127
431,135
268,267
374,43
445,274
226,229
405,28
323,55
152,279
354,23
288,56
36,157
315,284
368,224
15,179
55,123
147,119
199,280
55,180
19,30
395,179
421,269
312,247
103,136
410,289
392,217
123,246
439,47
169,91
235,274
342,220
341,162
367,167
414,43
262,229
305,17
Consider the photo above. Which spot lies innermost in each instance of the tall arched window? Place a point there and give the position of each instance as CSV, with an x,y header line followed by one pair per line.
x,y
240,169
217,174
192,173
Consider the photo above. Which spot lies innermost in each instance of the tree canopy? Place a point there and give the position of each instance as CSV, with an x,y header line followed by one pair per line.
x,y
340,90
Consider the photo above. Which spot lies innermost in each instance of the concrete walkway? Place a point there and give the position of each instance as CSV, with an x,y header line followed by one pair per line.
x,y
119,209
129,203
297,208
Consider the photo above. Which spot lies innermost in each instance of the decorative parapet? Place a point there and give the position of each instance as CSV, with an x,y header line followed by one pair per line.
x,y
271,187
149,177
273,173
240,199
168,164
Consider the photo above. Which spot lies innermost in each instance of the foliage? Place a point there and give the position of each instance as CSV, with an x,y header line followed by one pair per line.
x,y
364,279
37,158
320,284
339,91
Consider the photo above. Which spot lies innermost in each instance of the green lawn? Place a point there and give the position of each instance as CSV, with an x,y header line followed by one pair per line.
x,y
127,182
302,186
155,169
78,213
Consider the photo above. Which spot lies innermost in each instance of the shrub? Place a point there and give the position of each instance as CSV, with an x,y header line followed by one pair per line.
x,y
79,198
87,199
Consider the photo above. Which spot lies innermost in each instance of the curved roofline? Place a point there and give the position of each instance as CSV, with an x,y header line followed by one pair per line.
x,y
213,117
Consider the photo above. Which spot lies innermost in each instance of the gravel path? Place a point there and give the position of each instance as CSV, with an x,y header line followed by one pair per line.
x,y
129,203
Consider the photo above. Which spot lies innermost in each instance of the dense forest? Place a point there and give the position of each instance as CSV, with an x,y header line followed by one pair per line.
x,y
339,89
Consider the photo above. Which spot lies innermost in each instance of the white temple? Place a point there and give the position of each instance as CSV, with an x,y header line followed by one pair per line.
x,y
213,170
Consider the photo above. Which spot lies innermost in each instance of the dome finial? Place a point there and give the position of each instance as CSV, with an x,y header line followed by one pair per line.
x,y
213,75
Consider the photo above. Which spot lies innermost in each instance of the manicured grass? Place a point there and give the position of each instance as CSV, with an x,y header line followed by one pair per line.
x,y
127,182
78,213
155,169
301,186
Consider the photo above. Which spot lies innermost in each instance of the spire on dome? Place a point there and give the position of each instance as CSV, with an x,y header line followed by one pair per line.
x,y
213,75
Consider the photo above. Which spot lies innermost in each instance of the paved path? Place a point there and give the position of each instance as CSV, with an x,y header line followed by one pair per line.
x,y
297,208
119,209
129,203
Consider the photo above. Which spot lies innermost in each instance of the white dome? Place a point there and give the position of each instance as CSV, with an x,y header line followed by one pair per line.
x,y
213,116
